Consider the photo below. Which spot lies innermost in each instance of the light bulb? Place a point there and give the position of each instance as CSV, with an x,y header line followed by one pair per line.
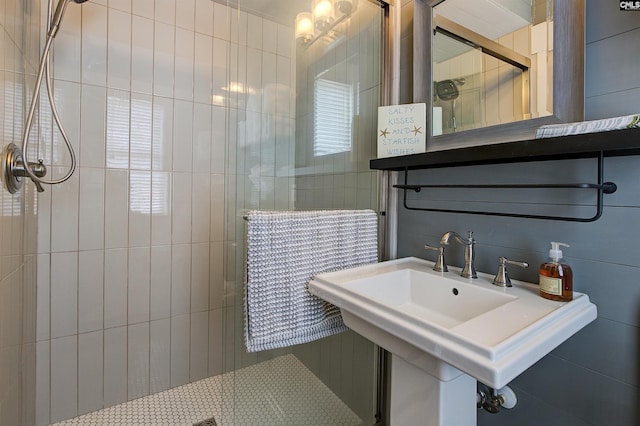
x,y
323,14
304,27
346,6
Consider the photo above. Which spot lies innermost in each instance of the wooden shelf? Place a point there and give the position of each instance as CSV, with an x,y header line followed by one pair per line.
x,y
611,144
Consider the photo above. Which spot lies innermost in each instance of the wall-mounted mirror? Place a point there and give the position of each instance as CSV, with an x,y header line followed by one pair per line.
x,y
493,71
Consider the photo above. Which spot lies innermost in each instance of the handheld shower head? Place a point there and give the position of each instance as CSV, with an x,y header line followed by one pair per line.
x,y
58,14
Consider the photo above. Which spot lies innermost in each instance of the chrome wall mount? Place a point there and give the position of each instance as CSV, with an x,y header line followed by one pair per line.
x,y
14,168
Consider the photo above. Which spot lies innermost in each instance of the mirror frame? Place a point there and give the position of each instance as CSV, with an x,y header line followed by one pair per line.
x,y
568,78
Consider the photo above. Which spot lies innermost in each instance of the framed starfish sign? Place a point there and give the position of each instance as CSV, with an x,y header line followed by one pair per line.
x,y
401,130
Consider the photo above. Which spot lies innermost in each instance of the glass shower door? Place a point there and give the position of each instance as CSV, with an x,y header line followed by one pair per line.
x,y
300,117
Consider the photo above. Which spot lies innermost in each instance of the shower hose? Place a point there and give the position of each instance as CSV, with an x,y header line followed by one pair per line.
x,y
44,69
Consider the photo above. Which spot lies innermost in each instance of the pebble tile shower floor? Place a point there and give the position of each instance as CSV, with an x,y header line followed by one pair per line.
x,y
281,391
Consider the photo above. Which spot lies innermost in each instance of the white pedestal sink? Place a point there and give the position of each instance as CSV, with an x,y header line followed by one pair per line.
x,y
445,332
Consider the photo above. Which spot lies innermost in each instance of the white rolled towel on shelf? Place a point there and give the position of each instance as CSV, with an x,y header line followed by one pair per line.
x,y
593,126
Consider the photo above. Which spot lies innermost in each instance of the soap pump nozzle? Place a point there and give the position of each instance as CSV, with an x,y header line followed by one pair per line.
x,y
555,253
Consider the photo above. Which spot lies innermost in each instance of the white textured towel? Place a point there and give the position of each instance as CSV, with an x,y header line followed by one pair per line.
x,y
285,250
614,123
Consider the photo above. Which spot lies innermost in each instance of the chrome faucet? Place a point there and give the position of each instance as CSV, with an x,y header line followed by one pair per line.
x,y
440,265
469,270
502,277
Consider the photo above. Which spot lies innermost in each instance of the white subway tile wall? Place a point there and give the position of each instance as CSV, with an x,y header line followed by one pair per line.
x,y
131,251
18,239
183,116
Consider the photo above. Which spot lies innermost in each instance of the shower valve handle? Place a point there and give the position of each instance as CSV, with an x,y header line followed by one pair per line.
x,y
15,169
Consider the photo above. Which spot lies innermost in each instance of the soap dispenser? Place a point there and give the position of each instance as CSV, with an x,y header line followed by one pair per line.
x,y
556,278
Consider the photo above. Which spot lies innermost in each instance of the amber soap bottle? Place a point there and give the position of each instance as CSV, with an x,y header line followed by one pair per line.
x,y
556,278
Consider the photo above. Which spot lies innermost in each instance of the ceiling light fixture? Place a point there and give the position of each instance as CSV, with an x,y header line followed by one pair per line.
x,y
310,26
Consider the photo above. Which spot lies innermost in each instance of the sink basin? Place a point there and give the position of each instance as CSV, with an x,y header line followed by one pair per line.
x,y
492,334
431,298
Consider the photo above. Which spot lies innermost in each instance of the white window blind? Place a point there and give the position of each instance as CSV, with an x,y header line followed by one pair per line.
x,y
333,111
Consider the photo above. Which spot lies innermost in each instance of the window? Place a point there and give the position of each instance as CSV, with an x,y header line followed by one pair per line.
x,y
333,113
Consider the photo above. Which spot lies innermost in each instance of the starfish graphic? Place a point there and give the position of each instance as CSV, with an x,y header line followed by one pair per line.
x,y
384,133
416,130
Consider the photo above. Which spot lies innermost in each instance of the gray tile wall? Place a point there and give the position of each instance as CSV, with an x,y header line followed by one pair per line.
x,y
593,378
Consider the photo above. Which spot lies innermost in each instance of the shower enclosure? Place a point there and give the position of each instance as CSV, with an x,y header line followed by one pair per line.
x,y
184,114
305,131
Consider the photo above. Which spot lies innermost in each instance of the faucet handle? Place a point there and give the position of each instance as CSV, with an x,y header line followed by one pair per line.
x,y
502,277
440,265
